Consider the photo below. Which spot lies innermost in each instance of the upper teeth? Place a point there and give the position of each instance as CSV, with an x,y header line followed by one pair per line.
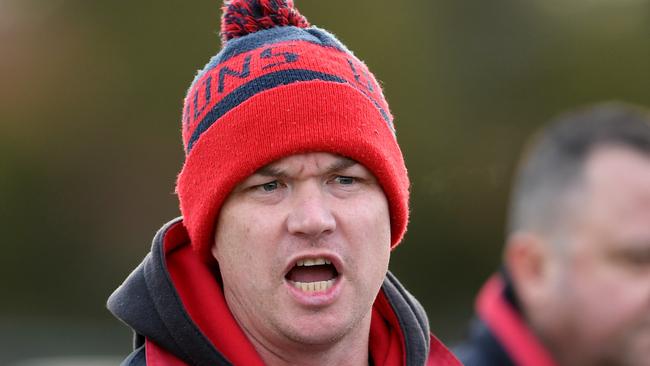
x,y
313,262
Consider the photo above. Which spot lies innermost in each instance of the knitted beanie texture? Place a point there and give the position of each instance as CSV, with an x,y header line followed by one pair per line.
x,y
280,87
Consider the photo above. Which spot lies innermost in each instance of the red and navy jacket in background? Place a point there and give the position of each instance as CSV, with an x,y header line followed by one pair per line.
x,y
498,334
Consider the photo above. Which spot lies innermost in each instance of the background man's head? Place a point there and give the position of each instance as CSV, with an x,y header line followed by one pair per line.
x,y
578,244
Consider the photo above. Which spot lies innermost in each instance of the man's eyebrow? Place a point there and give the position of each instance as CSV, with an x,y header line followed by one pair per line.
x,y
340,164
270,171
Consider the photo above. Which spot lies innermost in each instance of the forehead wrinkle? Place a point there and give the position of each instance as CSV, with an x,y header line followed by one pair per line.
x,y
340,163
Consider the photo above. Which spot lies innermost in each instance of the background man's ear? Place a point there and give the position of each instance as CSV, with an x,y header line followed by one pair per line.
x,y
528,259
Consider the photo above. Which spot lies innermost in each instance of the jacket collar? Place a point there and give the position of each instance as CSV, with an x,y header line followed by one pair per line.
x,y
165,299
496,306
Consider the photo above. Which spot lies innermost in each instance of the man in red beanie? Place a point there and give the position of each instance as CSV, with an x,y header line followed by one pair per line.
x,y
293,194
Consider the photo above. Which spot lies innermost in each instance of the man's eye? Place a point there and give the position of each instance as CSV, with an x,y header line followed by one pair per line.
x,y
345,180
270,186
641,259
634,258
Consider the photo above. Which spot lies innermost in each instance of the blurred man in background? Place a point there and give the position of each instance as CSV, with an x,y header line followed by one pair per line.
x,y
575,286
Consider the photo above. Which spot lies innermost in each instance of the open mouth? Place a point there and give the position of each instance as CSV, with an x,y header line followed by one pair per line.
x,y
313,275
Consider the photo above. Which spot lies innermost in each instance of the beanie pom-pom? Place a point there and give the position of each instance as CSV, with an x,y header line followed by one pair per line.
x,y
242,17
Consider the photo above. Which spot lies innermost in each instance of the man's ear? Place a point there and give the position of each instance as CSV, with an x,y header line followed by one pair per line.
x,y
528,259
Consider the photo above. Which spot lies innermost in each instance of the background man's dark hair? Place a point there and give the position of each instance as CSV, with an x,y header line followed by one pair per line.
x,y
552,165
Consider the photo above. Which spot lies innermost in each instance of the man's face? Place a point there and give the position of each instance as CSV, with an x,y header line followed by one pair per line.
x,y
602,291
303,247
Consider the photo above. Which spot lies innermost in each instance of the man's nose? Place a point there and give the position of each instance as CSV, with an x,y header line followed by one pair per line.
x,y
311,214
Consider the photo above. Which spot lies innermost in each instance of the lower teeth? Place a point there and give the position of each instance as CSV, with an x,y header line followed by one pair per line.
x,y
313,286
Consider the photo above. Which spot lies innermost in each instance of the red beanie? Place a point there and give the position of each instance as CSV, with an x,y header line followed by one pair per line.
x,y
280,87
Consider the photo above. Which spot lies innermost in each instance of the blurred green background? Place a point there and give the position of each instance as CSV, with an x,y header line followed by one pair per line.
x,y
90,100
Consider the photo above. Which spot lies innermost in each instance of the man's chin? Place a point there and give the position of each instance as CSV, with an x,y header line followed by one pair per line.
x,y
320,328
317,337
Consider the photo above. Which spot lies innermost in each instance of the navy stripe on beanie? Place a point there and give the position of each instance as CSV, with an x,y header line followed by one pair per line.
x,y
253,87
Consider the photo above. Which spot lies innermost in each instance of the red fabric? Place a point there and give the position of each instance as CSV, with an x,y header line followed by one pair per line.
x,y
304,121
508,327
306,116
305,56
439,355
386,338
204,301
158,356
